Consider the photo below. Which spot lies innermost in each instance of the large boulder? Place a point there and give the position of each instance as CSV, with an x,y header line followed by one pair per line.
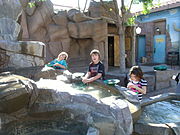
x,y
30,10
55,47
57,32
10,9
76,16
71,13
33,48
61,18
55,102
96,29
13,94
9,29
23,54
38,19
112,118
48,73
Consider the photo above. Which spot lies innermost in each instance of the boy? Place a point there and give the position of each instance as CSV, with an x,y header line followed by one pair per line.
x,y
96,68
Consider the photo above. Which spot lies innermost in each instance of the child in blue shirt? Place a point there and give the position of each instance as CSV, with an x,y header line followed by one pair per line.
x,y
60,61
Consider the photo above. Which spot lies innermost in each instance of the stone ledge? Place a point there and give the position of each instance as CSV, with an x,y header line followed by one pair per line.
x,y
33,48
152,129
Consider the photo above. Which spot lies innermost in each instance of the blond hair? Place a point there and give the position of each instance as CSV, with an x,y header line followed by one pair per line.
x,y
63,53
95,51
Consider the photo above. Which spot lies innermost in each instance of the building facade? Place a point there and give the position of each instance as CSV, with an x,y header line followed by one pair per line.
x,y
159,40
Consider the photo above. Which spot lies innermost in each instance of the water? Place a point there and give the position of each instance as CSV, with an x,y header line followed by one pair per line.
x,y
97,91
61,125
161,112
46,127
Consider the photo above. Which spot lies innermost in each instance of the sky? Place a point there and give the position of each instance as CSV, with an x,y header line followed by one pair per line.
x,y
69,4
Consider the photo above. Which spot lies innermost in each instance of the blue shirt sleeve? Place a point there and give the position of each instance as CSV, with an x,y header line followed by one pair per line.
x,y
63,62
53,62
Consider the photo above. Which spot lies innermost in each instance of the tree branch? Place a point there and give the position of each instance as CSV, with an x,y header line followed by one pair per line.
x,y
85,6
130,5
79,6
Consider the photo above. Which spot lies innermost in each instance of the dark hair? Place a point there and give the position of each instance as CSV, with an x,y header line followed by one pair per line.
x,y
136,70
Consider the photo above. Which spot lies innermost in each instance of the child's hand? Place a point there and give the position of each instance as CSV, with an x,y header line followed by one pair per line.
x,y
85,80
56,64
132,86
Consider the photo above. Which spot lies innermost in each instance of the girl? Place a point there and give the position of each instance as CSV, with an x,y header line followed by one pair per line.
x,y
60,61
137,83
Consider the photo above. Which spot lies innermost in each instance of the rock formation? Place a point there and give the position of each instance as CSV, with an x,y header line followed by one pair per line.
x,y
71,31
53,106
14,53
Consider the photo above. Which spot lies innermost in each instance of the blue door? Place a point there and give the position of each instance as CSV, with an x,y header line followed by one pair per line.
x,y
141,47
159,48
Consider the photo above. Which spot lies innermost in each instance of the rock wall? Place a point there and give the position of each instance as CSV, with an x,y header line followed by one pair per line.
x,y
14,53
10,9
71,31
51,106
20,54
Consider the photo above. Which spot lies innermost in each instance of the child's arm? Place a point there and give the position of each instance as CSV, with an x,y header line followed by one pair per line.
x,y
84,79
99,75
141,90
87,75
61,66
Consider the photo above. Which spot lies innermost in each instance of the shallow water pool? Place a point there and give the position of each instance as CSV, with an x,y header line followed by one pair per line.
x,y
161,112
97,91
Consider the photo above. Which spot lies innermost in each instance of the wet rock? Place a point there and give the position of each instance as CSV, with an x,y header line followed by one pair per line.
x,y
129,95
77,77
151,129
52,100
48,73
175,127
109,119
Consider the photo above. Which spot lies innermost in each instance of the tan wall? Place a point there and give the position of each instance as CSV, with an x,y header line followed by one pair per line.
x,y
112,30
116,51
